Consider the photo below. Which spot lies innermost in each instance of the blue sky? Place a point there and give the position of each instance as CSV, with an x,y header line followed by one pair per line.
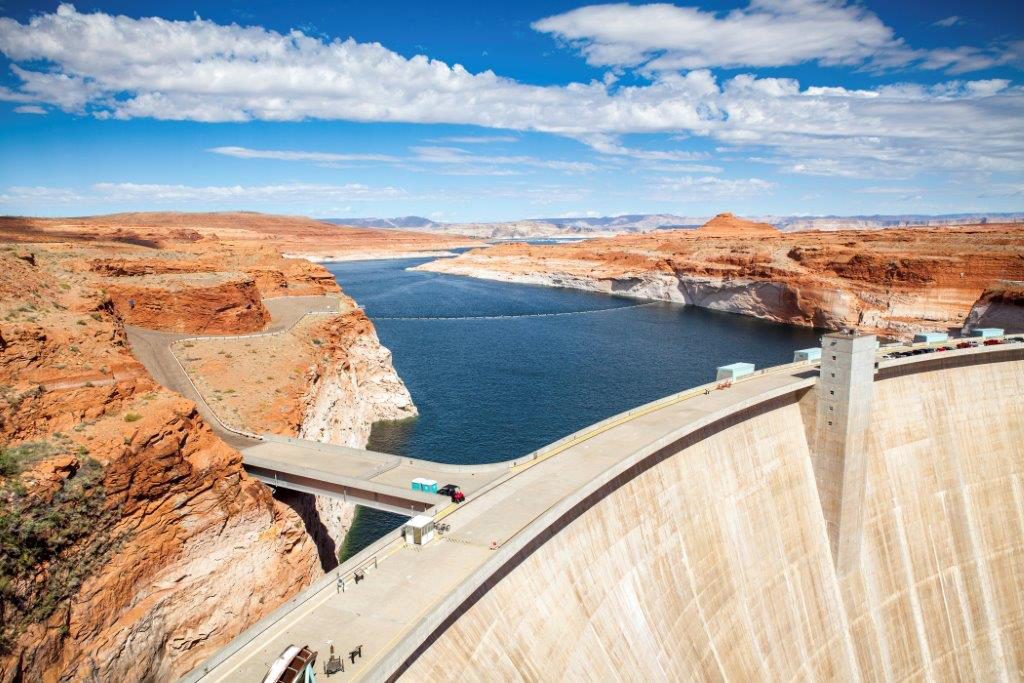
x,y
495,111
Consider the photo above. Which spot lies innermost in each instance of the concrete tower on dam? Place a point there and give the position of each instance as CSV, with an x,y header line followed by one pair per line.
x,y
839,450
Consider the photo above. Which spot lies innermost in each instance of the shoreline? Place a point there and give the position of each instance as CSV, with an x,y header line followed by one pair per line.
x,y
364,256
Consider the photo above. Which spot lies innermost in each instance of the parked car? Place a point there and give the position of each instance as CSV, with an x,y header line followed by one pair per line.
x,y
453,492
993,342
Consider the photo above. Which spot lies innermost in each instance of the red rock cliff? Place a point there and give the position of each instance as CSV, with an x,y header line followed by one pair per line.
x,y
134,544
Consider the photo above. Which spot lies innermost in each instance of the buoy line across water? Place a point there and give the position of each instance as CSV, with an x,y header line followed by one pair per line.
x,y
522,315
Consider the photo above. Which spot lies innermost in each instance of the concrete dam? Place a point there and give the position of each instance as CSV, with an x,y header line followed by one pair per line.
x,y
715,562
740,543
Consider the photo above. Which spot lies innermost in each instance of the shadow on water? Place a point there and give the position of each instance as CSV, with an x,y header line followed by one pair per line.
x,y
494,389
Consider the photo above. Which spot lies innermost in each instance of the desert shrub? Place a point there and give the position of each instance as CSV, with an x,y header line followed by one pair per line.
x,y
48,546
132,417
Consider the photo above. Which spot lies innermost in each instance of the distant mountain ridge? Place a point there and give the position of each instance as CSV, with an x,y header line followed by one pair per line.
x,y
602,226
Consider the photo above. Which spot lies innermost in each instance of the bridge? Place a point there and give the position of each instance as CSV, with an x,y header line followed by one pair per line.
x,y
375,480
411,595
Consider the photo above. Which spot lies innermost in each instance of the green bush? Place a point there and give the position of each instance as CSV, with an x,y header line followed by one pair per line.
x,y
48,547
132,417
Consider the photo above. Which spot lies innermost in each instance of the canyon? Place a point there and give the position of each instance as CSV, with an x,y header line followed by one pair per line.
x,y
134,544
893,282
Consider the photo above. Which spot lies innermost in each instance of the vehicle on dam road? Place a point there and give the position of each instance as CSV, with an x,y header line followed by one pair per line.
x,y
453,492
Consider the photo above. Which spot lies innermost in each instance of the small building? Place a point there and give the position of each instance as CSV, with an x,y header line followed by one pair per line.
x,y
734,371
930,337
419,530
807,354
987,332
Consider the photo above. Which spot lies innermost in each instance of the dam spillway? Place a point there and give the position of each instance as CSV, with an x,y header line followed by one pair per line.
x,y
715,562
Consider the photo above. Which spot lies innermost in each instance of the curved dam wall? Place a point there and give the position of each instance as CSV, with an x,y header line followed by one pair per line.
x,y
714,562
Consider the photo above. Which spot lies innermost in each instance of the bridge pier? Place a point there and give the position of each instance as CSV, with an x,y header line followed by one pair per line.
x,y
838,451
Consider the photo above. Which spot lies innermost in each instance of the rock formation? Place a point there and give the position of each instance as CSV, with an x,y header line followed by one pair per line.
x,y
142,544
728,225
1001,305
892,282
133,543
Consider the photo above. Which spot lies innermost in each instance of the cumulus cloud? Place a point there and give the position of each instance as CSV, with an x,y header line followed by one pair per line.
x,y
122,67
765,33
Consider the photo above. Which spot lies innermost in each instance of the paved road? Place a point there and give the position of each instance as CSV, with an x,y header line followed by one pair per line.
x,y
153,349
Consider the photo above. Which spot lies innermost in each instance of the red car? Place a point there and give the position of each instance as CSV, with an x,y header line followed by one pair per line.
x,y
453,492
992,342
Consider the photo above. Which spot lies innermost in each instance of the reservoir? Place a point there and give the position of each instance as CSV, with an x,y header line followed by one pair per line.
x,y
498,370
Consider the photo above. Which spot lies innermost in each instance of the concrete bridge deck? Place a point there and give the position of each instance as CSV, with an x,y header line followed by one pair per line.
x,y
410,591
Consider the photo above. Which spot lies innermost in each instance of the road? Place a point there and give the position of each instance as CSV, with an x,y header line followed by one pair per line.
x,y
153,350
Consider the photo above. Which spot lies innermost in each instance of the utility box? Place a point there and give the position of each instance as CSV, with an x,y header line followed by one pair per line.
x,y
930,337
807,354
419,530
734,371
987,332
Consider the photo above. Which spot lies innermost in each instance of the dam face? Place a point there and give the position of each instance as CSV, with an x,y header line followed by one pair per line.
x,y
715,562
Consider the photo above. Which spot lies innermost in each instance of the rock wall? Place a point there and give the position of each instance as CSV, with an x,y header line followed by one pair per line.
x,y
185,552
1001,306
353,386
894,282
714,564
218,303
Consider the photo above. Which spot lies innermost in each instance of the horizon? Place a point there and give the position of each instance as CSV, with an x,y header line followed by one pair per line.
x,y
485,114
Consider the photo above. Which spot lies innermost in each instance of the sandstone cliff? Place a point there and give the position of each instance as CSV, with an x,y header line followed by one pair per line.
x,y
892,281
1002,305
133,542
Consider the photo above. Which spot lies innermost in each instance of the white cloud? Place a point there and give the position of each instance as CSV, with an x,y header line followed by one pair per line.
x,y
696,188
476,139
949,21
288,155
121,67
207,195
765,33
30,109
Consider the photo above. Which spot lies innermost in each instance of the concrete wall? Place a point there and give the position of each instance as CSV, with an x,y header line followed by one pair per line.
x,y
715,563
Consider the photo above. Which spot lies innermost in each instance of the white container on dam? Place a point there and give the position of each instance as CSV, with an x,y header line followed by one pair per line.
x,y
734,371
930,337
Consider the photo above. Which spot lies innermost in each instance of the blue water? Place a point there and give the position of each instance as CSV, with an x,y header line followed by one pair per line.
x,y
492,389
